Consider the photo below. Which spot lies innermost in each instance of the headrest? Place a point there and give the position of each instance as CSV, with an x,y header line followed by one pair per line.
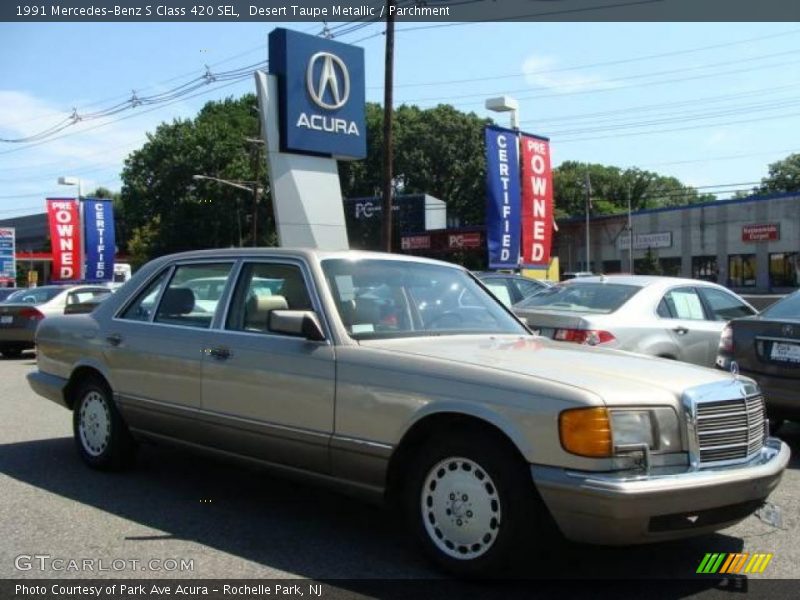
x,y
177,301
257,309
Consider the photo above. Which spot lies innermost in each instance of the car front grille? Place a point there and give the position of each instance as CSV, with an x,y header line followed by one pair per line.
x,y
730,429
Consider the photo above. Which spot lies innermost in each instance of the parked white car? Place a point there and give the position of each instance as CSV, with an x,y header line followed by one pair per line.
x,y
681,319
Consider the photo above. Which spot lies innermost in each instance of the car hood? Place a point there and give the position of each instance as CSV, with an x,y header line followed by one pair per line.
x,y
618,377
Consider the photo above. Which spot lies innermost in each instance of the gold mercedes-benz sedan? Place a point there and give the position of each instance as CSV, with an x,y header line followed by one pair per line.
x,y
404,379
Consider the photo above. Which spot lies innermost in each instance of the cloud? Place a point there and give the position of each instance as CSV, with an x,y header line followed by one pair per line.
x,y
542,71
93,150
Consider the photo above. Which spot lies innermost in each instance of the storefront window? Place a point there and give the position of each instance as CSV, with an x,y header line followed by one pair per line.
x,y
783,268
742,270
705,268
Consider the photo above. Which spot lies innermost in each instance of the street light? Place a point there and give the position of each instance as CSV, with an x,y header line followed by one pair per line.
x,y
71,181
249,186
505,104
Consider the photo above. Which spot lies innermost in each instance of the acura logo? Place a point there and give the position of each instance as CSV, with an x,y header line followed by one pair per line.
x,y
333,79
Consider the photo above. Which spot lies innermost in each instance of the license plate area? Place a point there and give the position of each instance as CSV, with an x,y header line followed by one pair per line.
x,y
6,320
785,352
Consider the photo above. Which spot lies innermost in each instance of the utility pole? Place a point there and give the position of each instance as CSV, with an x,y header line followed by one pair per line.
x,y
588,210
388,85
630,234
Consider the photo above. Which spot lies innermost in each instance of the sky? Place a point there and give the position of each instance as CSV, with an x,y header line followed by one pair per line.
x,y
712,104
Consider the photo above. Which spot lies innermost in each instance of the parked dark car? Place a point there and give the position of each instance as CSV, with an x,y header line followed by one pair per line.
x,y
510,288
6,292
766,347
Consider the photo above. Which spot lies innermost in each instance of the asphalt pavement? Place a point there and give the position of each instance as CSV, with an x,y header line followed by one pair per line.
x,y
220,520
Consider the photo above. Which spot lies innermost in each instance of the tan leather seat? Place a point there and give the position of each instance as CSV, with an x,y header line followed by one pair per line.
x,y
257,309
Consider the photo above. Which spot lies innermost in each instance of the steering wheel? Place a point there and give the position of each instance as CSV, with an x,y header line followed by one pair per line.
x,y
453,317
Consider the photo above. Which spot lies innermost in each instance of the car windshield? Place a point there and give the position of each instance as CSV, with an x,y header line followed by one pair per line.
x,y
600,298
787,308
379,298
35,295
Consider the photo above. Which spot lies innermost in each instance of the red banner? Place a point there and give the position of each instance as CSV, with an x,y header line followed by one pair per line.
x,y
761,233
537,200
65,238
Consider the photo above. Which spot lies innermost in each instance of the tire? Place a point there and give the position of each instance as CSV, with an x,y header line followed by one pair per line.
x,y
11,352
471,503
101,435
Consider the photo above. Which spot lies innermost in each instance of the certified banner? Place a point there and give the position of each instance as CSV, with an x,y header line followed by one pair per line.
x,y
98,224
537,200
8,268
502,198
65,238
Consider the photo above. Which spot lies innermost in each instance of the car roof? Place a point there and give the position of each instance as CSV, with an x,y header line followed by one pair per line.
x,y
640,280
309,254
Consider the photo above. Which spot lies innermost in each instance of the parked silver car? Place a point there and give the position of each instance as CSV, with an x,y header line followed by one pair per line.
x,y
22,311
403,379
674,318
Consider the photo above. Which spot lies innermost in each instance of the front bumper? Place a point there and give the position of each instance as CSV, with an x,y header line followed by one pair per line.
x,y
617,508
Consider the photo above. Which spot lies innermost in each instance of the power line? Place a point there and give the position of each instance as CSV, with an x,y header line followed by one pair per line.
x,y
592,65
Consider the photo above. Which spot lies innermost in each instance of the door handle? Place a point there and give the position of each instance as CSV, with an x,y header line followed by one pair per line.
x,y
220,353
681,330
114,339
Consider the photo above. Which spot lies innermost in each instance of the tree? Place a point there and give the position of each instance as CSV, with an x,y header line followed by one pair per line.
x,y
784,176
166,210
611,187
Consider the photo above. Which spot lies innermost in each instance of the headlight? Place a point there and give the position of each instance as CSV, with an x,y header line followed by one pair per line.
x,y
601,433
655,427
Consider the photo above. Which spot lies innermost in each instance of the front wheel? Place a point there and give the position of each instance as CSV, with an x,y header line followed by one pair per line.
x,y
472,504
102,438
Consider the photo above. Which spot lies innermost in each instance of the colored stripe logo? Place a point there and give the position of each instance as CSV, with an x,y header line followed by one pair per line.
x,y
734,563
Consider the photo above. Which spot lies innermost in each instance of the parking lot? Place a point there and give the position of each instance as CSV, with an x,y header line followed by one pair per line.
x,y
233,522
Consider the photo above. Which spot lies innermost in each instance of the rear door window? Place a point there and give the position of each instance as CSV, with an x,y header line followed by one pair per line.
x,y
181,305
682,303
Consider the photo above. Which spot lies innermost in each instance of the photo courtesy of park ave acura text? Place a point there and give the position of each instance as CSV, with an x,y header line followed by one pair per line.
x,y
391,299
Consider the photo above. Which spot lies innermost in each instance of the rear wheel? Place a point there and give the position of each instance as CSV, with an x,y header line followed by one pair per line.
x,y
101,435
471,503
11,351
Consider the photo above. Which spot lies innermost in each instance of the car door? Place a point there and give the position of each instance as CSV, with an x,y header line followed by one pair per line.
x,y
269,395
154,348
683,317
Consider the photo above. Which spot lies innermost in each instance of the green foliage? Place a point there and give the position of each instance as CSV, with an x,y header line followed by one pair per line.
x,y
649,265
165,210
784,176
611,186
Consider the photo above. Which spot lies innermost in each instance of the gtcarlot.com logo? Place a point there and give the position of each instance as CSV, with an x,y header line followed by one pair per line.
x,y
46,562
734,563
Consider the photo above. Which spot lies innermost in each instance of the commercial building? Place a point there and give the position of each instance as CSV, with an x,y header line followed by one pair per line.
x,y
751,245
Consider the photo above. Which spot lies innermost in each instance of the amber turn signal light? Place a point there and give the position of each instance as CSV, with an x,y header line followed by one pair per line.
x,y
586,432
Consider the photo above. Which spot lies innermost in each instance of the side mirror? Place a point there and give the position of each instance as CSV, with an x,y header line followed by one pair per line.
x,y
299,323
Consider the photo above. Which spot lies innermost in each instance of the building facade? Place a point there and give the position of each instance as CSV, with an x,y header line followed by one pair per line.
x,y
751,245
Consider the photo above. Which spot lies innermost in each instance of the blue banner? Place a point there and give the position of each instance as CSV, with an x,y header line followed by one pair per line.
x,y
98,222
503,218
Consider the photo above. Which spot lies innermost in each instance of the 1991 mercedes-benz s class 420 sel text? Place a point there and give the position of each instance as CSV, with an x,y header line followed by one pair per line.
x,y
404,379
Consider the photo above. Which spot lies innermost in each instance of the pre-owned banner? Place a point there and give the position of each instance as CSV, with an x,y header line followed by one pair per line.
x,y
502,198
98,224
537,200
65,238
